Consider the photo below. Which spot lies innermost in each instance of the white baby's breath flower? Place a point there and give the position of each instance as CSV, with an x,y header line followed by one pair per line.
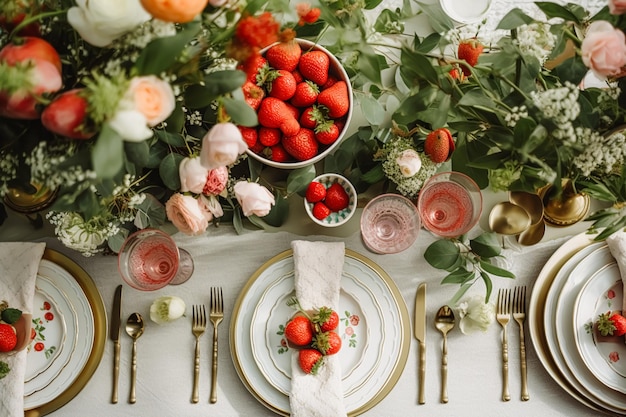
x,y
86,237
475,314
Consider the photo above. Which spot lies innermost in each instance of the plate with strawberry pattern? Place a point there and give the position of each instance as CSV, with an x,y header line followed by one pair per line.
x,y
384,314
273,355
605,357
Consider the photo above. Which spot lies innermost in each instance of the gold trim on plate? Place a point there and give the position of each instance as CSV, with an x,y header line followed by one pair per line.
x,y
399,364
100,325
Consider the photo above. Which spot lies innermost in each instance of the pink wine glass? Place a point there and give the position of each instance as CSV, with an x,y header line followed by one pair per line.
x,y
450,204
149,259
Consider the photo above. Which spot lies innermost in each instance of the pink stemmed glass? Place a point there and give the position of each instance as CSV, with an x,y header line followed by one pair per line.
x,y
149,259
389,223
450,204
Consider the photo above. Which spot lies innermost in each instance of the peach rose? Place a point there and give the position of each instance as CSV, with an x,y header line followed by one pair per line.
x,y
187,214
254,198
177,11
409,162
221,146
216,181
604,49
153,97
193,175
617,7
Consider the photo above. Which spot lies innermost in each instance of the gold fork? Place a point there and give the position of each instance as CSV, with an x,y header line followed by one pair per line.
x,y
216,316
503,315
519,314
198,313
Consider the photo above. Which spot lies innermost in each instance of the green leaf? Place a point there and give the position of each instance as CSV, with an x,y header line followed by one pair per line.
x,y
372,110
276,217
369,64
107,155
241,113
495,270
443,254
162,53
298,179
168,170
488,286
137,152
150,213
458,276
174,139
486,245
237,221
553,10
514,19
460,293
419,65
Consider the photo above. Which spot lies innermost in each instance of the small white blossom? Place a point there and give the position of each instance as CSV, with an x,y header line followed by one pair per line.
x,y
86,237
475,314
166,309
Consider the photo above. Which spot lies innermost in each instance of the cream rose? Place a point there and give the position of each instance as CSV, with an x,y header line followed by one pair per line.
x,y
617,7
254,198
153,97
187,214
193,176
409,162
130,125
604,49
221,146
476,315
100,22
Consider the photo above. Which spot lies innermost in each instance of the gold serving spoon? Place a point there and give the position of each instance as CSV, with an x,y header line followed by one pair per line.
x,y
134,328
444,322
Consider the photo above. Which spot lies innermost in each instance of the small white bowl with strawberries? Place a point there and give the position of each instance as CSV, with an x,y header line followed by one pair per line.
x,y
330,200
303,99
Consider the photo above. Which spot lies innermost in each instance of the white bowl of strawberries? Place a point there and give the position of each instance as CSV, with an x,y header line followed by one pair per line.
x,y
303,99
330,200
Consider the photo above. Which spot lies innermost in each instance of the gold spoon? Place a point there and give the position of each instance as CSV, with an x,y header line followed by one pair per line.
x,y
134,328
444,322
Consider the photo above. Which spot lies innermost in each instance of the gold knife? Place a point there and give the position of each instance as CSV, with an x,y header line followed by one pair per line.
x,y
114,335
419,327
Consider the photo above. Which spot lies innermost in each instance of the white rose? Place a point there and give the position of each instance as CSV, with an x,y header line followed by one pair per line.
x,y
212,205
221,146
192,175
409,162
254,198
476,314
131,125
100,22
166,309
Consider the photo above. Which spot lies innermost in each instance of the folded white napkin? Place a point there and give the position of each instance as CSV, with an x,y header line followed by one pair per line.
x,y
318,268
19,262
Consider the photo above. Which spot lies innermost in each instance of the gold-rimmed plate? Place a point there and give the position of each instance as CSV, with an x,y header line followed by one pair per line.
x,y
387,366
83,296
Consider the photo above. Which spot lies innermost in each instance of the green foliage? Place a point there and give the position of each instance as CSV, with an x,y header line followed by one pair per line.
x,y
162,53
467,261
107,156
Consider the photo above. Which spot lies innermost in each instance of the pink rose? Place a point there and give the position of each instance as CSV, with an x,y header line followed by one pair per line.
x,y
216,181
152,97
221,146
193,175
187,214
254,198
604,49
617,7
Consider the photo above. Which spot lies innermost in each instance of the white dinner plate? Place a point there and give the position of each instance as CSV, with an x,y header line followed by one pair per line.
x,y
604,356
380,366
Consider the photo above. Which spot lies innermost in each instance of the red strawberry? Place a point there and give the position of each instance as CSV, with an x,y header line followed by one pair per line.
x,y
284,55
276,114
310,360
310,117
335,99
67,115
253,94
269,136
469,50
315,192
8,337
439,145
314,66
296,74
327,133
250,135
302,145
328,343
305,95
30,48
331,80
278,154
337,198
282,85
326,318
295,112
320,210
611,324
299,331
253,66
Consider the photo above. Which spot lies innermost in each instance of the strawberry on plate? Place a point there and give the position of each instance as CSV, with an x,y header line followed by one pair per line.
x,y
310,360
299,331
326,318
328,343
8,337
611,324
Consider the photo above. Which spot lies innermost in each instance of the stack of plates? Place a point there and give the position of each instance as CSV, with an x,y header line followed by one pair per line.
x,y
375,328
578,283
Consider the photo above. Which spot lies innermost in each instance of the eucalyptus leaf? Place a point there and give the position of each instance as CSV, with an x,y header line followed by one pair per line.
x,y
458,276
168,170
174,139
279,212
137,152
460,293
237,221
486,245
107,155
241,113
488,286
298,180
514,19
495,270
372,110
162,53
443,254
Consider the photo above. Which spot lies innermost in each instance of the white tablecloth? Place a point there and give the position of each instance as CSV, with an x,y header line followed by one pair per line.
x,y
165,363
